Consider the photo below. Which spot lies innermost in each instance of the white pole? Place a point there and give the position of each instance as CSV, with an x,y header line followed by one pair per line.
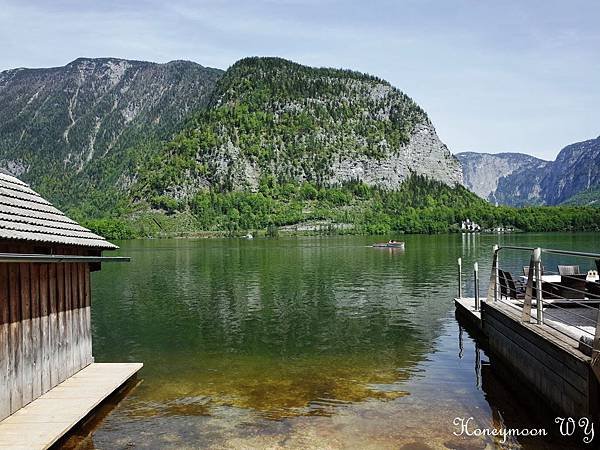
x,y
460,291
537,259
476,276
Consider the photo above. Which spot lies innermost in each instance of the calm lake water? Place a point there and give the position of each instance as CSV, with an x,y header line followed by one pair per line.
x,y
303,342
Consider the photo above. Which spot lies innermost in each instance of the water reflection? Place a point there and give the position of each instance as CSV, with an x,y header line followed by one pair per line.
x,y
277,326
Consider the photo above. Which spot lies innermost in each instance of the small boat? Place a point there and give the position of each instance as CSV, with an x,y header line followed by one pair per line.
x,y
390,244
249,236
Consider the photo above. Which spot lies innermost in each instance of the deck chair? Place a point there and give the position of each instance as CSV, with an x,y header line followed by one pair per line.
x,y
568,270
593,290
572,288
526,270
514,290
503,285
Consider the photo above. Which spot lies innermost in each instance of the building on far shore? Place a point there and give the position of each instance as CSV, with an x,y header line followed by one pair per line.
x,y
469,226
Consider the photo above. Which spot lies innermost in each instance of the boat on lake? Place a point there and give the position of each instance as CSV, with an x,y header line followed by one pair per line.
x,y
389,244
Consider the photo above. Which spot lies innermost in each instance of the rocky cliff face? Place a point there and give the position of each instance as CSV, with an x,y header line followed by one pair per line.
x,y
271,118
517,179
424,154
80,120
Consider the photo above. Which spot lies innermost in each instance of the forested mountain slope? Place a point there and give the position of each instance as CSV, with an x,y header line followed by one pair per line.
x,y
75,131
269,118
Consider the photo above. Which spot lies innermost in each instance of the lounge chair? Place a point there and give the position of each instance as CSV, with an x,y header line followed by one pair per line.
x,y
593,290
569,270
513,290
526,270
572,288
503,285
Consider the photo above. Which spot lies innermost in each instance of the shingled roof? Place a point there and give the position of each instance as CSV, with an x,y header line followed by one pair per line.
x,y
26,216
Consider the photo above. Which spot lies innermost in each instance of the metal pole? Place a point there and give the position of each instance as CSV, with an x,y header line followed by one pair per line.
x,y
460,290
537,260
526,316
492,294
596,348
476,276
497,253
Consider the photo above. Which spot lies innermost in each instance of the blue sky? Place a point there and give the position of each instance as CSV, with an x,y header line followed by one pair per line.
x,y
493,75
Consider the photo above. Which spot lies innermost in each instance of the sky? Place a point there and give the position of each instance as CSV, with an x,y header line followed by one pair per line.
x,y
494,76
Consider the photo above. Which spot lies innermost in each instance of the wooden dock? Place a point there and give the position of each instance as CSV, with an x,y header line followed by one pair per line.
x,y
545,360
47,419
465,307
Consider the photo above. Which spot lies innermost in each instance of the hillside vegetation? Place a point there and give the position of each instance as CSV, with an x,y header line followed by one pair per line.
x,y
419,205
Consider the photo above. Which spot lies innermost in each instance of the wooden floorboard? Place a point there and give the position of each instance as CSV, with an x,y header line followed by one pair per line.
x,y
466,308
44,421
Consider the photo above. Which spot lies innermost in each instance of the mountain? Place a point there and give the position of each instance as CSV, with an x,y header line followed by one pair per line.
x,y
517,179
98,133
69,129
271,119
588,197
576,169
483,172
179,147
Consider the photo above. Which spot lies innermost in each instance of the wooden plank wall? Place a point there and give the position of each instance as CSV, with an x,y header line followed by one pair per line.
x,y
5,381
45,328
543,363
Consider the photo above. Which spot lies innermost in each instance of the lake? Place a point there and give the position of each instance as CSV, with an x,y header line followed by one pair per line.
x,y
303,342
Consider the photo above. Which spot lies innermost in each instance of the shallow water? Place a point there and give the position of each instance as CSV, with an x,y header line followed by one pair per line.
x,y
303,342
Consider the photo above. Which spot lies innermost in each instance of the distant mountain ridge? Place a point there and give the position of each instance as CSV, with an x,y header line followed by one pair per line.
x,y
576,169
67,128
483,172
517,179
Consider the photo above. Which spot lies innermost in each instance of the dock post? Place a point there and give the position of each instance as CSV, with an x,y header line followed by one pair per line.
x,y
537,259
460,290
476,276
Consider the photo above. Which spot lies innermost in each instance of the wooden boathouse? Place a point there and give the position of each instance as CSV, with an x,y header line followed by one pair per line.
x,y
45,318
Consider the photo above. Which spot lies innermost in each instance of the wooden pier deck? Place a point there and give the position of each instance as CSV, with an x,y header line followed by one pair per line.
x,y
47,419
465,307
546,358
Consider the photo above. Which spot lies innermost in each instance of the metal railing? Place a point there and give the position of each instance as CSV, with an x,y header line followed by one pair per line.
x,y
566,300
